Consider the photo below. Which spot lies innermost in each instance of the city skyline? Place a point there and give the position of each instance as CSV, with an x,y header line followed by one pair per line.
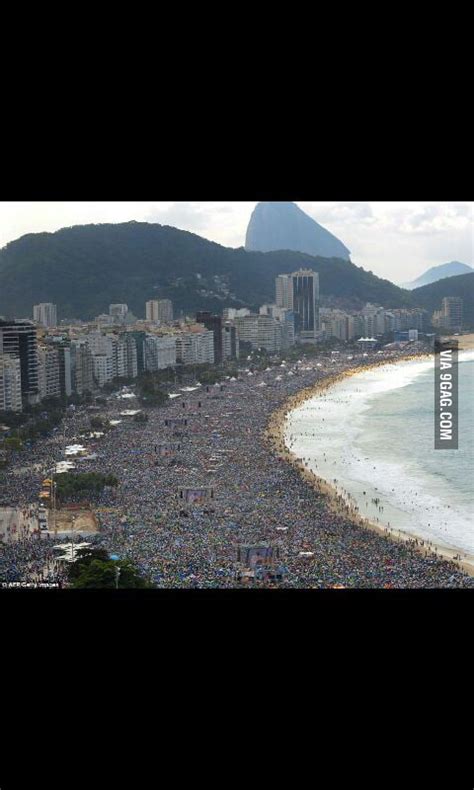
x,y
396,240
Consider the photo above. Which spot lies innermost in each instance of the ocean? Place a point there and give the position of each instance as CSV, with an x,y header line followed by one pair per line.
x,y
372,437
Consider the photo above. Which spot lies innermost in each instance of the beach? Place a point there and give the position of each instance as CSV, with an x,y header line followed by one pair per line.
x,y
465,342
315,432
228,437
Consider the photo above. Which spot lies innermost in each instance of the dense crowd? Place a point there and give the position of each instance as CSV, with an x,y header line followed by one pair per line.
x,y
31,560
258,496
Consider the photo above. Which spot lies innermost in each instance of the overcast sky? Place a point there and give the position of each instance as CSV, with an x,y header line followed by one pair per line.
x,y
398,241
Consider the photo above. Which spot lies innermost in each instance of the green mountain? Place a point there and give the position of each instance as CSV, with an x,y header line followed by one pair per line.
x,y
431,296
85,268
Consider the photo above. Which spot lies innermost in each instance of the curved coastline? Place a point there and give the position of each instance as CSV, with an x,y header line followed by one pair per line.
x,y
337,503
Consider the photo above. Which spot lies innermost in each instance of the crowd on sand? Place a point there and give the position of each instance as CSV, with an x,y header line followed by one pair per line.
x,y
225,439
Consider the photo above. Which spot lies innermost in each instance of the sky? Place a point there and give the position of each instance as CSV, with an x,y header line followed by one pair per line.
x,y
394,240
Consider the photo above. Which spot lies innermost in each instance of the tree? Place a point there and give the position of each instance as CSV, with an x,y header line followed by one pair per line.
x,y
13,419
210,376
70,484
95,574
84,558
13,443
101,574
149,392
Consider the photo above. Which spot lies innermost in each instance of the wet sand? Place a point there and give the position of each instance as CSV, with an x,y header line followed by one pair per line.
x,y
336,502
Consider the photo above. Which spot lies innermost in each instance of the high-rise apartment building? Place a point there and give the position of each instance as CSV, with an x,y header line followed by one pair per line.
x,y
160,352
49,383
287,319
165,311
10,383
262,331
118,356
45,314
103,369
451,307
230,341
132,356
299,293
82,367
337,323
118,312
19,339
102,344
63,348
306,303
139,338
65,379
159,311
214,324
151,310
195,348
284,291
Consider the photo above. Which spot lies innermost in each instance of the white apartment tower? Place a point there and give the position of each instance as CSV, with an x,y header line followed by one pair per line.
x,y
262,331
103,369
159,310
284,291
195,348
151,310
160,352
45,314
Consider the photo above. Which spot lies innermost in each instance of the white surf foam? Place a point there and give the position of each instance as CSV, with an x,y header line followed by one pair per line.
x,y
324,431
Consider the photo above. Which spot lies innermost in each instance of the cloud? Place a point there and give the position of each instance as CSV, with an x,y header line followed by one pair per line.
x,y
187,216
435,219
222,222
398,240
341,213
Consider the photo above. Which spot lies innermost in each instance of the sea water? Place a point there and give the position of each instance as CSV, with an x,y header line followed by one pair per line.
x,y
372,437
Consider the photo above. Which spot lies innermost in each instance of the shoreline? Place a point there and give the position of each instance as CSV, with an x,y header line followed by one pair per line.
x,y
275,436
258,499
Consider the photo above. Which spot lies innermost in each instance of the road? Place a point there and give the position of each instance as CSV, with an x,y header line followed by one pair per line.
x,y
17,523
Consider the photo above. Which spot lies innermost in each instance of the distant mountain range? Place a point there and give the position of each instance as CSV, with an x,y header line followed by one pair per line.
x,y
284,226
430,296
436,273
85,268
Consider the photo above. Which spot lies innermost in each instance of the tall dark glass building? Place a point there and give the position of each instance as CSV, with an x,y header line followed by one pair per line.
x,y
305,293
19,339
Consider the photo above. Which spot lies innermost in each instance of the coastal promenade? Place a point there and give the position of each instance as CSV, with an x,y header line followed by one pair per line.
x,y
232,443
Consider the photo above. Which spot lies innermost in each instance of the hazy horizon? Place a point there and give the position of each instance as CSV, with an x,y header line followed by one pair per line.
x,y
397,241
